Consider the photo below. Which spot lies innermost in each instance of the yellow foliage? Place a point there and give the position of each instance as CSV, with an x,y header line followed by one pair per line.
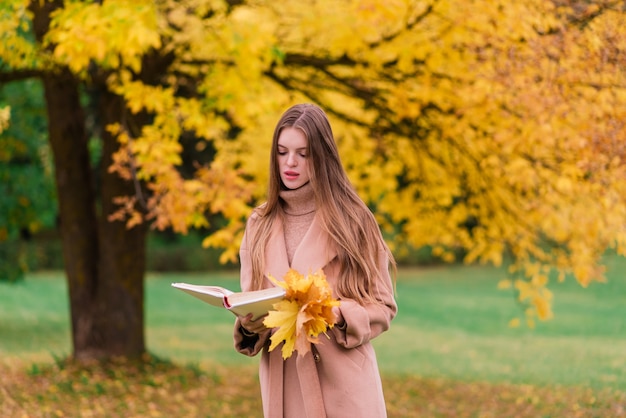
x,y
514,323
477,127
534,294
113,34
305,313
17,51
5,116
505,284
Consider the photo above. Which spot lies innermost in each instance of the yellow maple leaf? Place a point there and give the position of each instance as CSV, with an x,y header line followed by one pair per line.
x,y
284,317
306,312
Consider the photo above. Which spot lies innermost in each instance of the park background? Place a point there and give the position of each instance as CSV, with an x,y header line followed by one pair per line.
x,y
487,137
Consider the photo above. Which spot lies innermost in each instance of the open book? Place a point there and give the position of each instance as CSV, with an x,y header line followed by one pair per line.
x,y
259,302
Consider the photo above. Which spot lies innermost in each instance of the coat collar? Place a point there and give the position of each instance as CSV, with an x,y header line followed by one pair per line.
x,y
313,252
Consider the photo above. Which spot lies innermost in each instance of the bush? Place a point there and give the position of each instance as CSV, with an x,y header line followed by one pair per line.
x,y
164,252
13,264
170,252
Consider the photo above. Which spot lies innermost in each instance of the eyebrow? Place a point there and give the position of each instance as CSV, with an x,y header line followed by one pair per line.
x,y
297,149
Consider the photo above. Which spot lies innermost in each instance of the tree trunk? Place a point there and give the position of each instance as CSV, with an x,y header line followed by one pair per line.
x,y
122,250
104,261
79,234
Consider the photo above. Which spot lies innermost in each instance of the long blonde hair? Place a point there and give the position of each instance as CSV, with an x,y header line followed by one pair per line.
x,y
343,215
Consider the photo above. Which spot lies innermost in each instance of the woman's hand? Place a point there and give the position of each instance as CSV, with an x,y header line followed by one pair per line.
x,y
252,327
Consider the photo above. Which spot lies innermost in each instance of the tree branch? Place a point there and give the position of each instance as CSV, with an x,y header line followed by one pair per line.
x,y
18,75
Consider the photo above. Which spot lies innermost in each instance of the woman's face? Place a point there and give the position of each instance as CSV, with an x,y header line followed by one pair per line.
x,y
293,158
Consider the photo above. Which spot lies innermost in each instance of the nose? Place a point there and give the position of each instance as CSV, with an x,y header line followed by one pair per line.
x,y
291,160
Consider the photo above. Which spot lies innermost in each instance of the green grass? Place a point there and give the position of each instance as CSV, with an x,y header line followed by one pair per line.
x,y
452,324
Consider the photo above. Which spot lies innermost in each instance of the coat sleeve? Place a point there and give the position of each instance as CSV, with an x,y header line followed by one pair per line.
x,y
365,322
249,346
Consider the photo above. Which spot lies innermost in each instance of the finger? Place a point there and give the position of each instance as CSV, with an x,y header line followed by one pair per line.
x,y
259,320
245,320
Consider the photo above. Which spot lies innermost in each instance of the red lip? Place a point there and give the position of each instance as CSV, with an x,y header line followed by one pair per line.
x,y
291,174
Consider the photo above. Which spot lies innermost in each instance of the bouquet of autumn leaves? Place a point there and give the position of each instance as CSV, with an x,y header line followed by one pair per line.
x,y
305,313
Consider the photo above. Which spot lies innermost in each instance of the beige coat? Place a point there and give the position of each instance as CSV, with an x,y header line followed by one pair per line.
x,y
340,377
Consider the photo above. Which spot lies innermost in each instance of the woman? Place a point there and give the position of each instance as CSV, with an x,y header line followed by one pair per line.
x,y
314,219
